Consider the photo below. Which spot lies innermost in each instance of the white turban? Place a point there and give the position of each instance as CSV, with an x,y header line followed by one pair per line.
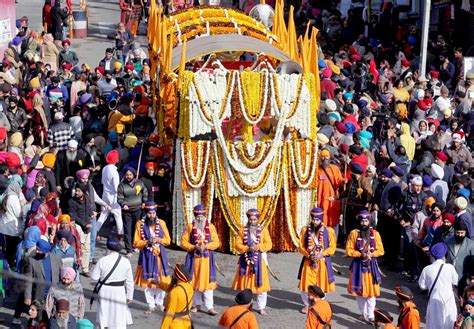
x,y
417,180
72,144
436,171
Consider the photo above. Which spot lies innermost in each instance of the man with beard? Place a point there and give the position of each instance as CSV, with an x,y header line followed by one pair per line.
x,y
359,194
81,210
200,239
253,243
320,313
430,224
152,274
445,231
42,271
131,196
329,181
91,157
70,290
85,183
461,254
63,319
457,151
110,182
409,317
412,205
317,245
179,300
365,246
386,200
158,185
67,163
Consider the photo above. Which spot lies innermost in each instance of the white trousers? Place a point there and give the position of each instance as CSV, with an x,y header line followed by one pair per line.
x,y
206,297
117,212
366,306
154,297
304,298
261,301
86,249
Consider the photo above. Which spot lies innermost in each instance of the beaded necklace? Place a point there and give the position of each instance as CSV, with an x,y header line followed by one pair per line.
x,y
156,233
251,257
315,245
371,243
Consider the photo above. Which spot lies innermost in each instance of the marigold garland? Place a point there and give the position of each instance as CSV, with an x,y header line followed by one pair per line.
x,y
239,151
303,175
190,152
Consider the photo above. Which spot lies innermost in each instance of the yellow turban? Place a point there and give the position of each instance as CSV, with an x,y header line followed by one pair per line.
x,y
430,201
117,65
325,153
35,83
16,139
64,218
48,160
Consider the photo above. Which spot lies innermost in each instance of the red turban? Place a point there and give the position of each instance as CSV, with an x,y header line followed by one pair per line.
x,y
112,157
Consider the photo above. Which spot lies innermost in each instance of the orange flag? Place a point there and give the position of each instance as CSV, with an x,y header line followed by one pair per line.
x,y
292,44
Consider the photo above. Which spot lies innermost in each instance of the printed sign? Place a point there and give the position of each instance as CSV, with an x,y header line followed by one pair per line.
x,y
5,30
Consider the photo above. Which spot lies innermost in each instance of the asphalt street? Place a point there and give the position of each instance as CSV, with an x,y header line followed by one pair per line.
x,y
284,301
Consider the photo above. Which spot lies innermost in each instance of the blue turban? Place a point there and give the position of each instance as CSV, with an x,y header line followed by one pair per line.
x,y
439,250
150,206
364,142
43,246
427,181
199,210
387,173
397,171
364,214
347,96
412,40
366,134
317,213
464,192
322,64
253,212
335,115
32,237
113,136
350,128
356,168
16,41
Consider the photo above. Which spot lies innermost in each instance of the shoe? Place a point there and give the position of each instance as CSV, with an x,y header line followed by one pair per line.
x,y
129,255
16,321
304,310
149,311
212,312
194,309
262,312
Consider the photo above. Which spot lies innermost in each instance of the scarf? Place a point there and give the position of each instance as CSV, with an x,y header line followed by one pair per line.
x,y
252,259
147,259
38,106
359,266
195,237
316,246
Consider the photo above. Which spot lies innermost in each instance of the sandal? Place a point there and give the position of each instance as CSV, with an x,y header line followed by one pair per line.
x,y
304,310
149,311
129,255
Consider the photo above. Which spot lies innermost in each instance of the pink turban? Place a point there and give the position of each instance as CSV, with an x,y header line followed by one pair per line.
x,y
68,272
83,173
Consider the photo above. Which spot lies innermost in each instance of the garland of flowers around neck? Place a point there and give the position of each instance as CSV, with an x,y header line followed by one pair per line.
x,y
303,175
318,245
195,177
360,242
252,257
155,236
253,95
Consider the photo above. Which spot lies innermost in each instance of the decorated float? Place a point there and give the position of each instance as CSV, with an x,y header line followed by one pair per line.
x,y
244,132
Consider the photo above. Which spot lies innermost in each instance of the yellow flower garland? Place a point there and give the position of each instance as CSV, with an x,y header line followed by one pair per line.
x,y
252,92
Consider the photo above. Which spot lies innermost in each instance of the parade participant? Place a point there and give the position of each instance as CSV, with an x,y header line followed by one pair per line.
x,y
365,246
153,274
63,318
114,287
317,244
253,243
329,181
240,316
439,279
383,319
409,317
179,300
68,289
131,196
110,183
200,239
320,313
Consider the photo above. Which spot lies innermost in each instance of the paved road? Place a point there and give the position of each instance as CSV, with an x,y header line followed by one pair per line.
x,y
284,300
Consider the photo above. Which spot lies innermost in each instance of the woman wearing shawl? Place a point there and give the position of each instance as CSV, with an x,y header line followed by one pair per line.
x,y
49,52
75,239
153,274
401,98
407,141
39,123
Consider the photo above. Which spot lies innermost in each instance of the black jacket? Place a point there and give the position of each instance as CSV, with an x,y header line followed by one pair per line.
x,y
81,212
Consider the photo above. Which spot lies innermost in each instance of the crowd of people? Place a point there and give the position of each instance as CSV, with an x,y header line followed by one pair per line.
x,y
79,151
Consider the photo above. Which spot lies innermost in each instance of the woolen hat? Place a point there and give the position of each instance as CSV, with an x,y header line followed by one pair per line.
x,y
244,297
439,250
316,291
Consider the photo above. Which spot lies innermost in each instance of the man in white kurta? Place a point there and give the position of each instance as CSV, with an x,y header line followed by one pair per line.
x,y
112,307
110,182
441,311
